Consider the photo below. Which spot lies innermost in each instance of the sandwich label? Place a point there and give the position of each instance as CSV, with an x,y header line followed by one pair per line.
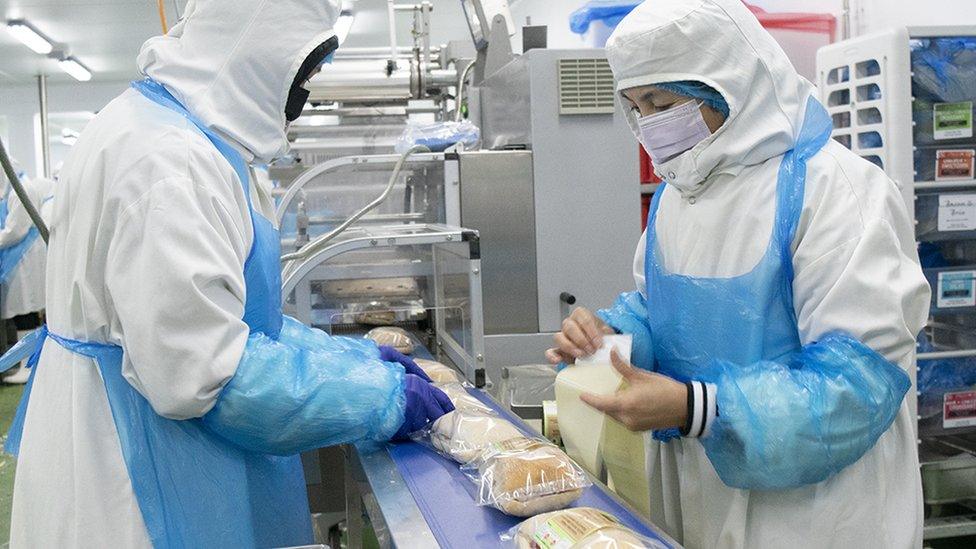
x,y
955,165
565,530
957,212
956,289
953,120
959,409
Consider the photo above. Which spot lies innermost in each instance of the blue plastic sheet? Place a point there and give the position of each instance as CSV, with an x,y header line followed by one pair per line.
x,y
944,69
611,12
440,136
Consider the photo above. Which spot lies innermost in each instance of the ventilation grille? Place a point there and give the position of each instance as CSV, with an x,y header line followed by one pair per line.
x,y
585,86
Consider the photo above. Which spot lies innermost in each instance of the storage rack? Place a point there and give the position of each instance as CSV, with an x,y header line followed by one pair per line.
x,y
881,91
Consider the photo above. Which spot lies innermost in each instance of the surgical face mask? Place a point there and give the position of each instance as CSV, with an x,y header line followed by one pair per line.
x,y
666,135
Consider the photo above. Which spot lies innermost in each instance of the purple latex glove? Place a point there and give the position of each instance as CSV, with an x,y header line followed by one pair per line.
x,y
389,354
425,403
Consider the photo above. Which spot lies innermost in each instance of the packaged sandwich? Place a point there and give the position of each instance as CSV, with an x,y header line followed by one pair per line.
x,y
579,528
463,435
438,373
523,477
398,338
463,400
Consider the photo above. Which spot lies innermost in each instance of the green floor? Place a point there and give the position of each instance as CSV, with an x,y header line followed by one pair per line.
x,y
9,398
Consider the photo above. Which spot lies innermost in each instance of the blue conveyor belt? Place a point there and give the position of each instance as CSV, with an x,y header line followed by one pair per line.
x,y
448,499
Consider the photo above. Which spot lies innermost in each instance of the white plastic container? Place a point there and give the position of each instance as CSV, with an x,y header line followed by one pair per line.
x,y
580,426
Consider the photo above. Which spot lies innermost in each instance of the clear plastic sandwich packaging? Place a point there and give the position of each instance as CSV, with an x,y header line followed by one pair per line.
x,y
463,435
578,528
463,400
390,336
516,474
524,476
438,373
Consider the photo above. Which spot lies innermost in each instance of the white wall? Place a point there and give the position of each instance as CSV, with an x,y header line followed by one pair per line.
x,y
552,13
876,15
19,105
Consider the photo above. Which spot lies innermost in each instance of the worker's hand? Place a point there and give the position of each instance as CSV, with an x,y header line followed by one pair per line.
x,y
582,335
425,403
389,354
649,401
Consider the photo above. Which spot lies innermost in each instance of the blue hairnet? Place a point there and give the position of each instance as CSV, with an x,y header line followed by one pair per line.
x,y
698,90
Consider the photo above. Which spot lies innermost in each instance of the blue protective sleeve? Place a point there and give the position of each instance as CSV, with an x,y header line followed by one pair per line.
x,y
299,335
789,424
308,390
628,315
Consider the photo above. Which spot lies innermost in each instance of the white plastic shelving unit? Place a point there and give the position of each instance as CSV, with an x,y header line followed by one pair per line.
x,y
866,83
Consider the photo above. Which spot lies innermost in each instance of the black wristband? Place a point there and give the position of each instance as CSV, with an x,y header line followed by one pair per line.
x,y
691,410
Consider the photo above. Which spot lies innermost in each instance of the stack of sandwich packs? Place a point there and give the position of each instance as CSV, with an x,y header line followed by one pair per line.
x,y
519,475
391,336
523,476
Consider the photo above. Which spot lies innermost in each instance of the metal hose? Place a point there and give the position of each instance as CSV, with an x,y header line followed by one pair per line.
x,y
8,169
319,243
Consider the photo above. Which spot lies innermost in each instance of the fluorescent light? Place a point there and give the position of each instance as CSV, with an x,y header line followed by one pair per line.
x,y
74,67
29,36
343,25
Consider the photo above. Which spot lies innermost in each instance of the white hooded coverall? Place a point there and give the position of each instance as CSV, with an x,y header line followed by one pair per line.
x,y
150,233
854,258
24,291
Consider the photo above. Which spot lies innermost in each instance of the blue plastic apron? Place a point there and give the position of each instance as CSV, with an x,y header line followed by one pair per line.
x,y
4,208
743,319
11,257
195,489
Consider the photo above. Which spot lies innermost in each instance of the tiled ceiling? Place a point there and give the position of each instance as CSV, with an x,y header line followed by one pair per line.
x,y
106,34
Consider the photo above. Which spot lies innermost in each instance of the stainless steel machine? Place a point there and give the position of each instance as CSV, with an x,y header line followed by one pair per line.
x,y
549,232
401,261
556,200
479,254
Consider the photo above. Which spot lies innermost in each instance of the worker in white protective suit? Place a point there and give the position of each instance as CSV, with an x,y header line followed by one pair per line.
x,y
170,398
22,262
778,298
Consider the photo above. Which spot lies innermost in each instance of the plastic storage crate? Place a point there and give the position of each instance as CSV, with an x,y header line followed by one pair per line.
x,y
946,388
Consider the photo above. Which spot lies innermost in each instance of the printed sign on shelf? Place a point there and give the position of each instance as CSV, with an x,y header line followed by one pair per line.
x,y
953,120
956,289
955,165
959,409
957,212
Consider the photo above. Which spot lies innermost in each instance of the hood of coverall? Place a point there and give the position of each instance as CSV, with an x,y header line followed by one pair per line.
x,y
232,63
720,43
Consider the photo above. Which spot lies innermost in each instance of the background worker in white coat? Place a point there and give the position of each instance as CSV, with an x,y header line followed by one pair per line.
x,y
171,398
779,296
22,262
